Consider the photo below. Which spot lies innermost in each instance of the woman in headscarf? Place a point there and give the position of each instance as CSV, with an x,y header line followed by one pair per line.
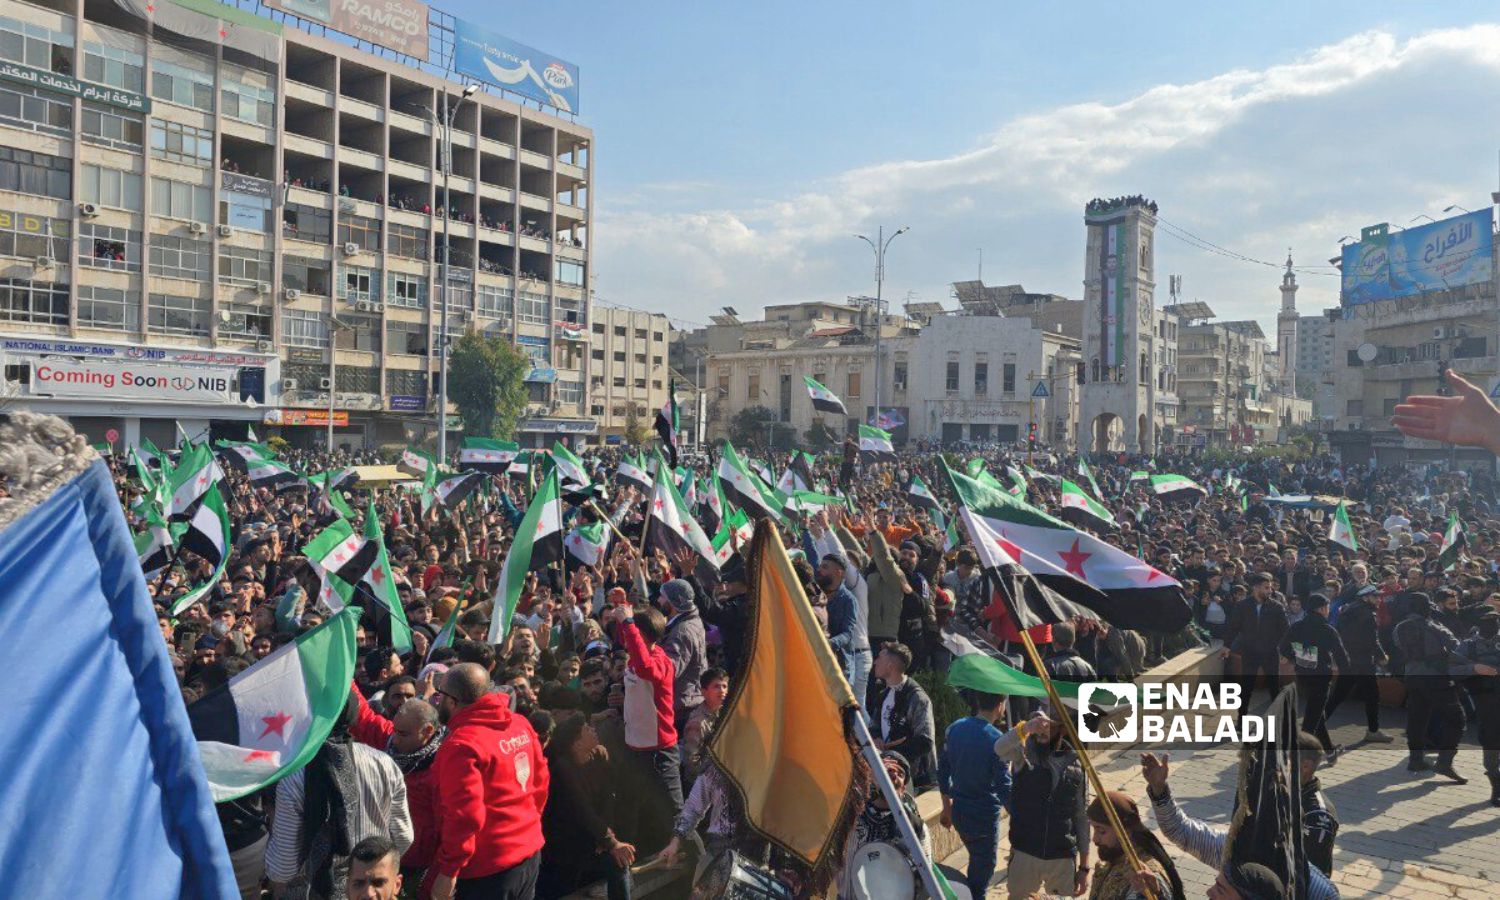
x,y
346,793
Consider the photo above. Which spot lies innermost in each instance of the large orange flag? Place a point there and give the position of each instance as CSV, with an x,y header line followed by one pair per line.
x,y
780,739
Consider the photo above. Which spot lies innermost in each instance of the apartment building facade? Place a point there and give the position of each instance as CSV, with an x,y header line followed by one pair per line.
x,y
206,232
631,373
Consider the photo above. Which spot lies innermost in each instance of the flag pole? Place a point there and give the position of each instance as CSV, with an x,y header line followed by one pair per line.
x,y
611,523
893,800
1071,731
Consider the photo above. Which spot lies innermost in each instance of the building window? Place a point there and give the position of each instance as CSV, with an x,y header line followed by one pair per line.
x,y
182,85
619,331
113,66
407,241
248,103
619,381
597,355
362,333
28,172
33,236
724,382
357,380
306,223
180,200
898,376
170,314
406,382
531,308
495,302
35,110
33,302
361,231
619,356
1008,377
952,377
109,308
752,387
852,385
407,290
112,187
108,128
981,379
179,257
244,322
244,266
104,247
359,284
304,328
570,392
537,349
245,211
310,276
569,273
181,143
36,46
657,336
406,338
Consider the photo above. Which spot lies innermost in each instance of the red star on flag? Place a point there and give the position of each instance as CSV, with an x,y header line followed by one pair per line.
x,y
255,755
1073,560
377,576
658,505
1154,574
1013,550
276,723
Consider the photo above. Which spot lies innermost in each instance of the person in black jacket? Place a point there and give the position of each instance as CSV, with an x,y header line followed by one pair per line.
x,y
903,715
581,846
1064,664
1359,630
1432,664
1255,633
1049,826
1315,655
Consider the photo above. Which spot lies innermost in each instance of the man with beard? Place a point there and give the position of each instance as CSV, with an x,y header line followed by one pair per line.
x,y
1049,827
847,633
411,738
1256,629
1113,877
877,822
918,626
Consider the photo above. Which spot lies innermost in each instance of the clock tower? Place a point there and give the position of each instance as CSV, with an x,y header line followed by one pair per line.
x,y
1117,400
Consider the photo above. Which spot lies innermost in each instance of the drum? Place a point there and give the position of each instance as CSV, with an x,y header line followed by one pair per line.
x,y
880,871
733,877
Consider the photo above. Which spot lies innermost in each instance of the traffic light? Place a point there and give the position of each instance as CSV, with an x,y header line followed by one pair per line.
x,y
1031,434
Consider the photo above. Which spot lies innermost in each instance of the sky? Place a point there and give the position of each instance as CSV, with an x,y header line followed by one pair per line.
x,y
740,147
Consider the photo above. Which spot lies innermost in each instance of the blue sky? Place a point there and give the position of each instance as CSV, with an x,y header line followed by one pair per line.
x,y
740,145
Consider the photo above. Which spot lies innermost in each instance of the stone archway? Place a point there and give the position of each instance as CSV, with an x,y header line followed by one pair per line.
x,y
1108,433
1142,429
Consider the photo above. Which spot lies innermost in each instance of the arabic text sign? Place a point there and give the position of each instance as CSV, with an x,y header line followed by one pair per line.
x,y
500,61
61,376
1441,255
398,24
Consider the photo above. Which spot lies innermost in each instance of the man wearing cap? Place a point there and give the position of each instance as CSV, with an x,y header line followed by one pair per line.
x,y
1049,828
1483,647
685,644
1359,629
1313,653
1432,664
1255,632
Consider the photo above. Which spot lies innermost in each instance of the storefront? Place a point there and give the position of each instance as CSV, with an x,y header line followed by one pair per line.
x,y
544,431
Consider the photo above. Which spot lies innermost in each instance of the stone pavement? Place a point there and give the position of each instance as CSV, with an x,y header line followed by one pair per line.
x,y
1403,834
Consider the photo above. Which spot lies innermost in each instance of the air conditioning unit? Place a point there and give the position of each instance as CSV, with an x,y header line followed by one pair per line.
x,y
293,294
288,385
44,262
362,305
325,383
351,249
198,228
263,345
88,210
1439,332
263,288
377,307
226,231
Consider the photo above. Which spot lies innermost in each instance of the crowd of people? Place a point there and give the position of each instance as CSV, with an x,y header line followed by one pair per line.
x,y
574,753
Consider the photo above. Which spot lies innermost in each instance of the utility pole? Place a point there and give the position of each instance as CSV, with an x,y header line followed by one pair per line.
x,y
334,324
449,114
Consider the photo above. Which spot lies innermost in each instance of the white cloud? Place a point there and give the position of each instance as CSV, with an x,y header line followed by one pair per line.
x,y
1296,154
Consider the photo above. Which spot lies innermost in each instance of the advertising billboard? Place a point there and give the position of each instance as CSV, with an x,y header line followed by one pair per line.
x,y
1440,255
98,379
498,60
400,25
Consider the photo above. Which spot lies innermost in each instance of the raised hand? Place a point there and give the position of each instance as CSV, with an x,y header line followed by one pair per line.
x,y
1467,419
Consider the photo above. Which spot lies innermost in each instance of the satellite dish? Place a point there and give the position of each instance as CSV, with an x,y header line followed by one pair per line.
x,y
1367,352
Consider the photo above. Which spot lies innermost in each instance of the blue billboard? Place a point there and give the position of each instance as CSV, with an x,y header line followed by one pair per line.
x,y
1437,256
500,61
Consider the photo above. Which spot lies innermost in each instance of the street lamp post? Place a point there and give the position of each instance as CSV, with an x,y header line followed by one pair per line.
x,y
449,114
879,245
334,324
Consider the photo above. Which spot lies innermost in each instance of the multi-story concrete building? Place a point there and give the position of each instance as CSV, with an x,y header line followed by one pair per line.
x,y
1227,388
946,377
630,372
1315,362
215,231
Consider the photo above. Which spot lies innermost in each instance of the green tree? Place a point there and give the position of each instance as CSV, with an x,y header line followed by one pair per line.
x,y
816,438
749,426
486,380
637,431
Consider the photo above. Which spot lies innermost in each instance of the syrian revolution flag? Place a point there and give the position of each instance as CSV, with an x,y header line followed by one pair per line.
x,y
196,472
450,492
632,471
973,667
762,471
572,477
671,526
588,543
668,422
918,494
1340,531
1028,602
1017,481
745,489
445,635
155,545
735,531
270,473
1140,475
1454,540
520,467
824,400
207,536
1177,487
950,529
876,444
270,719
342,559
1125,591
538,544
802,501
1083,469
711,510
485,455
1081,509
379,586
415,462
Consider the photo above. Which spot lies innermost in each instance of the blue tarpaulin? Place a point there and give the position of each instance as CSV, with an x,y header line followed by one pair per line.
x,y
103,794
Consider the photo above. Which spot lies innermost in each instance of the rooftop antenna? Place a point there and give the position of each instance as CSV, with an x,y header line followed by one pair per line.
x,y
981,266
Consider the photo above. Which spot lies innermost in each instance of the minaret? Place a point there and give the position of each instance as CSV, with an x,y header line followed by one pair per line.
x,y
1286,330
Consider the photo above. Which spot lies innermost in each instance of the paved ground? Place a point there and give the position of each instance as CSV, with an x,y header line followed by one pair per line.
x,y
1402,835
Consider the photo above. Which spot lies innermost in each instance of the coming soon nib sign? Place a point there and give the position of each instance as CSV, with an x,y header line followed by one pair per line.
x,y
1166,713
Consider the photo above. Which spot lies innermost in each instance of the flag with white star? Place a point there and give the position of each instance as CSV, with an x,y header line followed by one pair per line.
x,y
270,719
390,616
1085,571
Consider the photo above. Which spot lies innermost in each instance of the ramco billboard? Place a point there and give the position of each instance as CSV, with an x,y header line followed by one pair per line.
x,y
500,61
1437,256
400,25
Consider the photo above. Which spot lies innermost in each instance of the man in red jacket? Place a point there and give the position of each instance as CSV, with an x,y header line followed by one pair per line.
x,y
412,739
649,730
492,786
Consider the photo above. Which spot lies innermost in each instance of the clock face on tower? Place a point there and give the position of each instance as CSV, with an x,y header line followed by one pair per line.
x,y
1146,313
